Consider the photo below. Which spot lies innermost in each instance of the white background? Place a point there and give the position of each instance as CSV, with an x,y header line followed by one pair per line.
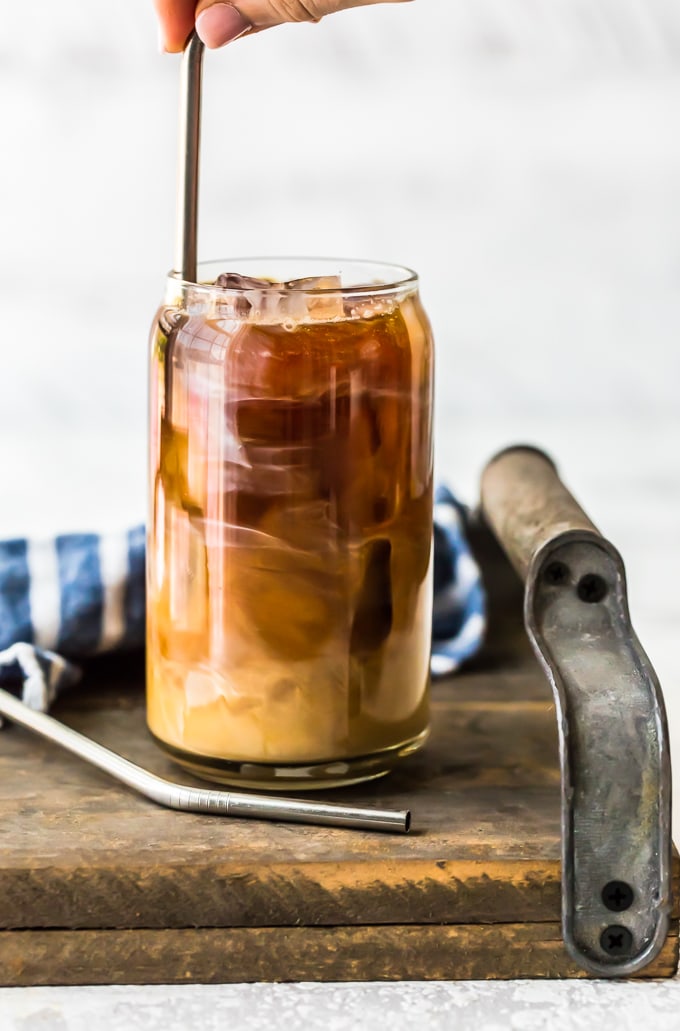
x,y
522,155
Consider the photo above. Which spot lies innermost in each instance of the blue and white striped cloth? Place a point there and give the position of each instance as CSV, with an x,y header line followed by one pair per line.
x,y
79,595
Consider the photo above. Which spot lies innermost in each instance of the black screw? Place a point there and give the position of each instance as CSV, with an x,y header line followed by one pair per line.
x,y
617,896
591,588
557,573
616,941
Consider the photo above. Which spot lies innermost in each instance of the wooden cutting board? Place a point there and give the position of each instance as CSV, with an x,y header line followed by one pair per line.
x,y
100,886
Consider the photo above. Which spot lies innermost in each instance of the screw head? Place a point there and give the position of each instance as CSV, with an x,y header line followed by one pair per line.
x,y
556,573
591,588
616,941
617,896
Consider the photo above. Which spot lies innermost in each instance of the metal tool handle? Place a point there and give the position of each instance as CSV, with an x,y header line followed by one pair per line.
x,y
200,800
186,227
527,505
616,786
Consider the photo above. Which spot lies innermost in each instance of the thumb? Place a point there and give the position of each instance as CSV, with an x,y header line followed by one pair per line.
x,y
220,23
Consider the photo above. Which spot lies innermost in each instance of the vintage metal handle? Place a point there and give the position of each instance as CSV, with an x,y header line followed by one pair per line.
x,y
186,246
616,783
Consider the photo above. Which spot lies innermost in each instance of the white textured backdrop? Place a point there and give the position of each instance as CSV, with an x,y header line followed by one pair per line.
x,y
523,155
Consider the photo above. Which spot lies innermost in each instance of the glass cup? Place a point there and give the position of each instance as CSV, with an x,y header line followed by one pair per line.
x,y
290,534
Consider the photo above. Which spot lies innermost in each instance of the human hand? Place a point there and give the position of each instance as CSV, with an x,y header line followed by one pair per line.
x,y
220,23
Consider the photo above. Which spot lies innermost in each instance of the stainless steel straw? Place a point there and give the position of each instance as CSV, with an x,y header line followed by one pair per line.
x,y
188,158
200,800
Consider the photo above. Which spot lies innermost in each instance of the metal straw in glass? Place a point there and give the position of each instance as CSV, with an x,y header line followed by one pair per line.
x,y
187,166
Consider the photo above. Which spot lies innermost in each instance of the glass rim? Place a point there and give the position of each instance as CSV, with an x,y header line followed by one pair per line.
x,y
401,278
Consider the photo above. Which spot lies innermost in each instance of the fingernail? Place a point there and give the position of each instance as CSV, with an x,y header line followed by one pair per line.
x,y
161,42
220,24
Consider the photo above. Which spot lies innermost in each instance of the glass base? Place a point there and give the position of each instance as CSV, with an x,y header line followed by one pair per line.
x,y
313,776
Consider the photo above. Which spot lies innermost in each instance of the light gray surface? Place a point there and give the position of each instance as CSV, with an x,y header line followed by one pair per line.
x,y
523,156
410,1006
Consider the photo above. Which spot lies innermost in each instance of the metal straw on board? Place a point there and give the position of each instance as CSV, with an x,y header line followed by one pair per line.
x,y
200,800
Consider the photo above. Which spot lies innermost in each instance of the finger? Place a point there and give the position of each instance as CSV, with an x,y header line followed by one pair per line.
x,y
263,14
220,23
176,20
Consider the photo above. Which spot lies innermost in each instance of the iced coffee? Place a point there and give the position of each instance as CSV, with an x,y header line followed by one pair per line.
x,y
289,559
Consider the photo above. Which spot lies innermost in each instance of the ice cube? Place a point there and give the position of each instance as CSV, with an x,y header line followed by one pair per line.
x,y
251,296
235,281
316,298
323,306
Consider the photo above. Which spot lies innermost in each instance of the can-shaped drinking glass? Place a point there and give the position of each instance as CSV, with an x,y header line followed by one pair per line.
x,y
290,533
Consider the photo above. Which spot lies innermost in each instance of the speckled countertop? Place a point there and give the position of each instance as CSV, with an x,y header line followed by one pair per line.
x,y
523,157
468,1006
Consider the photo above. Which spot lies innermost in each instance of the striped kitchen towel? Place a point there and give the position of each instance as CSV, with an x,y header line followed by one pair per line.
x,y
79,595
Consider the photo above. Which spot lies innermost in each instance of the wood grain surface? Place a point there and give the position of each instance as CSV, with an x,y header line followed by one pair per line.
x,y
99,885
235,955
